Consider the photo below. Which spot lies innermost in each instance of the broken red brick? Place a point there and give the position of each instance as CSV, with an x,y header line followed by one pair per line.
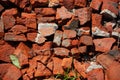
x,y
67,63
110,8
13,37
30,20
22,52
53,3
8,21
7,69
45,11
84,15
35,37
10,12
82,49
58,37
69,34
96,4
80,3
42,70
105,60
36,3
66,43
63,14
96,20
86,40
50,65
47,29
1,29
59,51
95,74
57,67
81,68
74,42
41,48
68,4
104,44
45,19
41,58
75,51
18,29
5,51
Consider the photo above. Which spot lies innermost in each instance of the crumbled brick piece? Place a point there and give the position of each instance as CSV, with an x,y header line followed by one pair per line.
x,y
42,70
7,69
14,37
95,4
57,67
61,51
45,11
69,34
80,3
86,40
29,20
66,43
104,44
67,63
84,14
5,51
18,29
22,52
58,37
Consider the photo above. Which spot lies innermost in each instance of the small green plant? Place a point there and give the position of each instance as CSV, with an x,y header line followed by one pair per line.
x,y
66,75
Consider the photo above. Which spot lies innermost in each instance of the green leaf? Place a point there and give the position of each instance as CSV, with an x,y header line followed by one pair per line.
x,y
15,60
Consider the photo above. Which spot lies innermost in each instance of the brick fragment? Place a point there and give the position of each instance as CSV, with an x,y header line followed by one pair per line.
x,y
68,4
42,48
96,20
104,44
45,11
83,31
53,3
95,74
75,51
80,68
42,70
13,37
61,51
84,15
96,4
86,40
50,65
80,3
35,37
5,51
109,9
69,34
66,43
63,14
22,52
112,67
39,3
47,29
29,20
58,37
1,28
57,67
74,42
45,19
82,49
67,63
18,29
9,72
